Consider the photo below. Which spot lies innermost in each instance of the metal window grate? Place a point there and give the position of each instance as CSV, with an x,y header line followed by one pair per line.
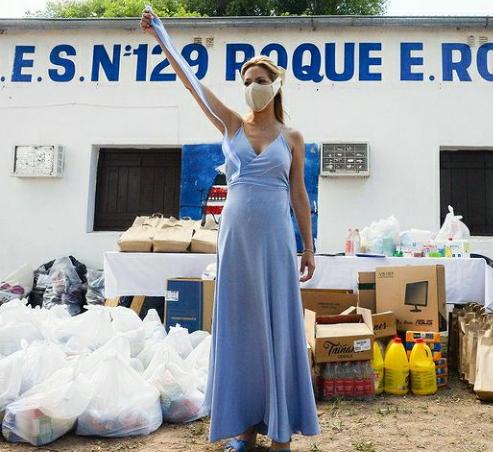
x,y
345,159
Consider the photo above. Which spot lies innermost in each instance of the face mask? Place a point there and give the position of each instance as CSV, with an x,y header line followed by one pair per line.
x,y
258,96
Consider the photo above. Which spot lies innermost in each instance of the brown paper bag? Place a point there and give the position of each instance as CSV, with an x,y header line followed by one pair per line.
x,y
173,236
138,238
205,238
483,386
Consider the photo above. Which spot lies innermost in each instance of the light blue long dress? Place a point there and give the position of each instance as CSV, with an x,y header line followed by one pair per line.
x,y
258,369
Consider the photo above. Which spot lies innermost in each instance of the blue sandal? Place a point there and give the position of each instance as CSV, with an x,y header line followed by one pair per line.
x,y
239,445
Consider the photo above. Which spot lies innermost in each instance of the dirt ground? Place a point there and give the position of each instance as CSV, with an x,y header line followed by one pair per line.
x,y
452,420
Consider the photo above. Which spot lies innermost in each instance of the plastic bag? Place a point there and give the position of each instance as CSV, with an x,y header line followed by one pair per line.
x,y
17,285
124,319
453,228
12,336
179,339
95,287
48,410
66,288
10,379
123,405
381,236
41,361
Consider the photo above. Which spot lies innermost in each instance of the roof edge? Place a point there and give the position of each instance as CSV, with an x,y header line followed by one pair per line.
x,y
253,21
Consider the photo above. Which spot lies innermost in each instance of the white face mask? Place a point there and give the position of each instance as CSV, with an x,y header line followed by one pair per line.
x,y
258,96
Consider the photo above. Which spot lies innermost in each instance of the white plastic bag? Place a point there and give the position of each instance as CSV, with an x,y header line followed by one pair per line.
x,y
381,236
123,405
453,228
48,410
10,379
179,339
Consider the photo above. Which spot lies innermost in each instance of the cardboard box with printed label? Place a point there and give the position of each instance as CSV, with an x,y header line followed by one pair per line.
x,y
367,291
340,341
328,301
415,294
189,302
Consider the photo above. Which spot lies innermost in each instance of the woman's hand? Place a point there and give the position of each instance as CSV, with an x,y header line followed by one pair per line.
x,y
307,263
145,23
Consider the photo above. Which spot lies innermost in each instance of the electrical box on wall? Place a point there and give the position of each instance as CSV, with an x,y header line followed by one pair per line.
x,y
345,159
37,161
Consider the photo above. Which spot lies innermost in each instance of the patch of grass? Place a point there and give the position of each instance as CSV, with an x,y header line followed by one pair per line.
x,y
364,446
337,425
314,447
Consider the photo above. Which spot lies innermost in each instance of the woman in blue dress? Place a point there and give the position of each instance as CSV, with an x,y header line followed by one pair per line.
x,y
259,378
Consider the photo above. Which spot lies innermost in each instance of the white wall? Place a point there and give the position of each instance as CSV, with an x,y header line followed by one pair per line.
x,y
405,123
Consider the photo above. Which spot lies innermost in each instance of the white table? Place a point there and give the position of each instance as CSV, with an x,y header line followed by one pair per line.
x,y
146,273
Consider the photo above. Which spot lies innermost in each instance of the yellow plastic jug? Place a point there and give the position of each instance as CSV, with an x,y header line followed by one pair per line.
x,y
396,367
389,343
423,372
377,365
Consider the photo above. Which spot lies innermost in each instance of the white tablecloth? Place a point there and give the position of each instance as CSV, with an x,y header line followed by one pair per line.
x,y
146,273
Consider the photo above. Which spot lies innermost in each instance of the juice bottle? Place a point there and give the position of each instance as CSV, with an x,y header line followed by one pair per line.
x,y
396,366
378,366
348,244
423,373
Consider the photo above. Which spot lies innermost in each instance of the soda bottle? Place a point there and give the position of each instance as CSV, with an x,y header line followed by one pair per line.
x,y
338,380
319,381
369,380
348,371
359,382
329,382
348,244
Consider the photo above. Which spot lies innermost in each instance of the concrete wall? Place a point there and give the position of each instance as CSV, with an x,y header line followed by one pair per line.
x,y
406,123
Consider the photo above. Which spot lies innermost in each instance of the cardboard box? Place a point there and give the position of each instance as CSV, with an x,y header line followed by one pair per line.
x,y
189,302
384,324
340,342
328,301
367,291
415,294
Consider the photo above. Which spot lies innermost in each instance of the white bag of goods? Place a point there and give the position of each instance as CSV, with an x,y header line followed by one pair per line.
x,y
48,410
124,404
10,379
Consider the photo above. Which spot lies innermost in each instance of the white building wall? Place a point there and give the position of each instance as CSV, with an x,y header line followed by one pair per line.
x,y
405,122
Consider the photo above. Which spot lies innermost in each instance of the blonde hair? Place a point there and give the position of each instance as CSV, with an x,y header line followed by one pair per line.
x,y
274,72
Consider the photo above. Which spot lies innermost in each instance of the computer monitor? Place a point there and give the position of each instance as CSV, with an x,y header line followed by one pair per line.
x,y
416,295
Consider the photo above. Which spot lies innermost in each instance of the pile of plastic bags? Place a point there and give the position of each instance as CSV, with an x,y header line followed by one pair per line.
x,y
103,373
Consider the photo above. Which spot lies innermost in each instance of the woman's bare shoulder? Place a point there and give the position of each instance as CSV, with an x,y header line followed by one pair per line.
x,y
294,137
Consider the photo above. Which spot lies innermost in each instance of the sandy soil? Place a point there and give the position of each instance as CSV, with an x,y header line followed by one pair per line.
x,y
453,420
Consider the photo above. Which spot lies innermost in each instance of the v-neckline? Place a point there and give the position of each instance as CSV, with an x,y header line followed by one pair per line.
x,y
266,148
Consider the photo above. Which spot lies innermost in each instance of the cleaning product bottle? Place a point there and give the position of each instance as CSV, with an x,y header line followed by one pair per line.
x,y
423,372
396,368
389,343
377,365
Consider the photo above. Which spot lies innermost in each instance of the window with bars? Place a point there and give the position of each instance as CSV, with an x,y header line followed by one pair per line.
x,y
466,183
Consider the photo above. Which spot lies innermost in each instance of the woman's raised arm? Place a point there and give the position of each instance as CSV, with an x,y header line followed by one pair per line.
x,y
221,116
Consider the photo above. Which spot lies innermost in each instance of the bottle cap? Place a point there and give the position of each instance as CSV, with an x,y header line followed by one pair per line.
x,y
420,341
397,340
